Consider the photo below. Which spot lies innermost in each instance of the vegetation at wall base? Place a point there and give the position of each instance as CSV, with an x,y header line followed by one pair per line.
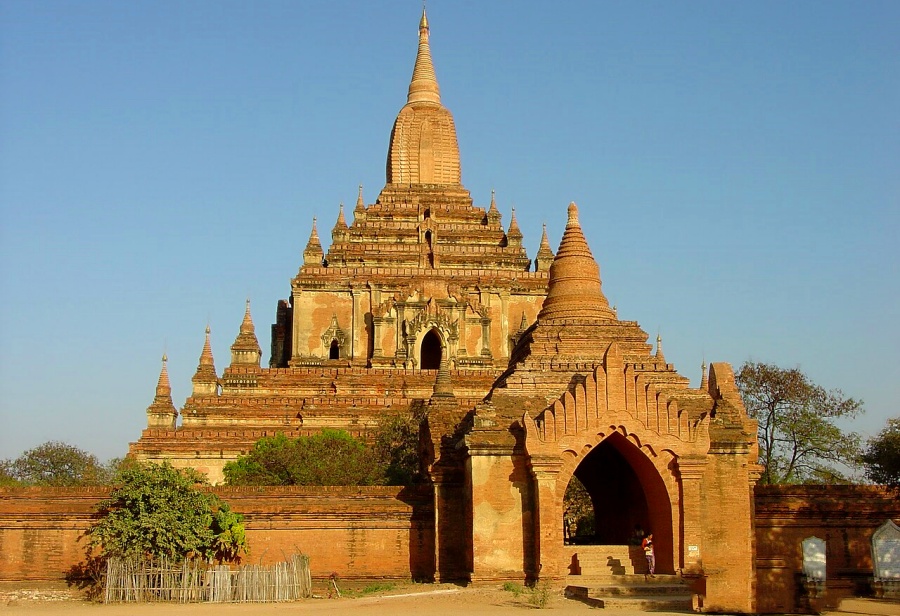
x,y
158,511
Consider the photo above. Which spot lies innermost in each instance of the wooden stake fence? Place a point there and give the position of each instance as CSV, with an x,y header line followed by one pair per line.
x,y
194,581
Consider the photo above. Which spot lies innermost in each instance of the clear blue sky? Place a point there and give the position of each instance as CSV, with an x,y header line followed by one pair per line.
x,y
736,165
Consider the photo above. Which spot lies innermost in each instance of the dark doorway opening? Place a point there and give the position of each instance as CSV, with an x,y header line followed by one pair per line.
x,y
335,351
431,351
625,499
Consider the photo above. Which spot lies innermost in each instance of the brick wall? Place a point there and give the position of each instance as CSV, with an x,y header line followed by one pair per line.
x,y
357,532
388,532
844,516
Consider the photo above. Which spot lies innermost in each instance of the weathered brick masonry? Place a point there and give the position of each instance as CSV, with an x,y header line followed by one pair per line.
x,y
359,532
374,532
526,376
844,516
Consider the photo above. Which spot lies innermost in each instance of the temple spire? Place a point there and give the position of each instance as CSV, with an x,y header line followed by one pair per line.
x,y
161,413
443,386
493,214
659,351
245,350
205,380
423,147
544,256
360,205
313,254
514,233
424,87
704,378
574,290
339,233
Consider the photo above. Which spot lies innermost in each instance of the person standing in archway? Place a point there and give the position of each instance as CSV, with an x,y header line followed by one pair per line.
x,y
647,546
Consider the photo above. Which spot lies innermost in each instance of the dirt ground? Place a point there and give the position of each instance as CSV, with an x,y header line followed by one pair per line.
x,y
403,600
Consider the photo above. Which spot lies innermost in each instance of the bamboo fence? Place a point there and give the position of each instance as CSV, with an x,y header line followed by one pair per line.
x,y
195,581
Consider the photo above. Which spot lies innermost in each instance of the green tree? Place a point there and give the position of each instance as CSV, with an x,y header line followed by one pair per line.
x,y
160,511
396,446
882,455
7,478
798,439
329,458
56,464
578,510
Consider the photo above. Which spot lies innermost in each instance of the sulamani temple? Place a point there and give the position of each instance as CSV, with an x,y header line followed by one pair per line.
x,y
424,302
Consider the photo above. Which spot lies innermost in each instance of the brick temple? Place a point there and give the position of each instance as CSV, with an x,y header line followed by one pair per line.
x,y
426,304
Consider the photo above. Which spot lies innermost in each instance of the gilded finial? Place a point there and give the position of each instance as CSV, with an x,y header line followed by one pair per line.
x,y
424,87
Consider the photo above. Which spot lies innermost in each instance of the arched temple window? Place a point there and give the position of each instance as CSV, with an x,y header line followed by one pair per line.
x,y
334,352
431,351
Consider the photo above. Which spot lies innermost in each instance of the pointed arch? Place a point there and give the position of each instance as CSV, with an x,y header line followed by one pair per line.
x,y
627,490
431,350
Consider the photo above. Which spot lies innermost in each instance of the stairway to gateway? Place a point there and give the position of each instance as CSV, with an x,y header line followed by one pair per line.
x,y
616,577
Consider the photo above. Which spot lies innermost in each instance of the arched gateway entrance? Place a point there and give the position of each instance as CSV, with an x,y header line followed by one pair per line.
x,y
626,493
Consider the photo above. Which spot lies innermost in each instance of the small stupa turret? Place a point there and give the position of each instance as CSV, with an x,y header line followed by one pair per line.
x,y
514,233
493,214
339,233
313,254
205,380
162,413
245,351
443,386
359,212
544,256
574,290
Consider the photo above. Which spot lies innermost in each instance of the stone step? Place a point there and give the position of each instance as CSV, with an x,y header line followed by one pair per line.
x,y
606,559
662,582
681,602
646,603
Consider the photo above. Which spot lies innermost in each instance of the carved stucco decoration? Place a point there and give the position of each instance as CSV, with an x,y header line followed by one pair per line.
x,y
334,332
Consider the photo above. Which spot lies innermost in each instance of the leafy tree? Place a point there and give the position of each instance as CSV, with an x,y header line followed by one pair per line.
x,y
798,439
882,455
329,458
578,510
56,464
7,478
161,511
397,448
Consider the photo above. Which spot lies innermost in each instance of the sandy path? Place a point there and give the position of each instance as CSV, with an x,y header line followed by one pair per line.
x,y
436,600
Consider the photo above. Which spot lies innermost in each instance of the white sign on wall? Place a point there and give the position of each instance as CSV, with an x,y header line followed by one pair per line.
x,y
814,558
886,552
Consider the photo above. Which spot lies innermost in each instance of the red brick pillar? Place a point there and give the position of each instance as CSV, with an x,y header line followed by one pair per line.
x,y
548,518
691,470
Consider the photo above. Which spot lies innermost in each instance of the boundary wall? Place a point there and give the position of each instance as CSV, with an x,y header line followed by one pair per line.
x,y
356,532
844,516
388,532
